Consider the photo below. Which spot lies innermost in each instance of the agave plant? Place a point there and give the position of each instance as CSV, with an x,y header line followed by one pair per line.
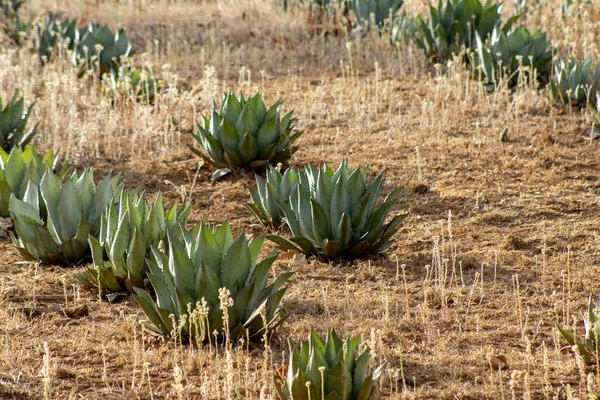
x,y
574,83
127,231
405,29
138,83
335,214
91,45
13,121
21,166
510,54
73,213
50,32
374,13
11,7
455,23
17,29
98,45
332,369
276,189
588,346
244,134
189,273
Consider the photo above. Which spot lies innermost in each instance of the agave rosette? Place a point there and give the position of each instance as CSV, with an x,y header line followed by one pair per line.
x,y
574,83
98,44
276,188
335,214
245,134
73,211
138,83
128,229
330,369
50,32
193,267
514,56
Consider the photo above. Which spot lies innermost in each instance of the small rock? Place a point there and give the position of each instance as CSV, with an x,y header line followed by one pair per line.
x,y
513,243
498,362
421,188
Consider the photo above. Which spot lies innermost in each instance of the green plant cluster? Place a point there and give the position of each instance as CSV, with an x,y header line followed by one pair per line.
x,y
498,52
91,47
201,283
362,15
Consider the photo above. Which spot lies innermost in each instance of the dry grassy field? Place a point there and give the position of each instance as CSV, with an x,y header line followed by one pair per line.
x,y
501,244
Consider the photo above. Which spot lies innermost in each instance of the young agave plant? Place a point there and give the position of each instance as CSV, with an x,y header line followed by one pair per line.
x,y
335,214
455,23
17,29
405,29
188,275
574,83
374,13
49,32
137,83
13,123
276,189
244,134
99,45
73,213
511,53
11,7
21,166
588,346
127,231
330,370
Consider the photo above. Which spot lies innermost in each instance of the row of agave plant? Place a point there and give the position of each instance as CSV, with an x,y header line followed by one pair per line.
x,y
499,53
193,281
90,47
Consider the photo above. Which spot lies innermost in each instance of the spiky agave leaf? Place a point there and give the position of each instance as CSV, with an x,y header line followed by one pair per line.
x,y
335,214
587,347
73,213
245,134
334,368
276,188
128,230
21,166
13,123
194,266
